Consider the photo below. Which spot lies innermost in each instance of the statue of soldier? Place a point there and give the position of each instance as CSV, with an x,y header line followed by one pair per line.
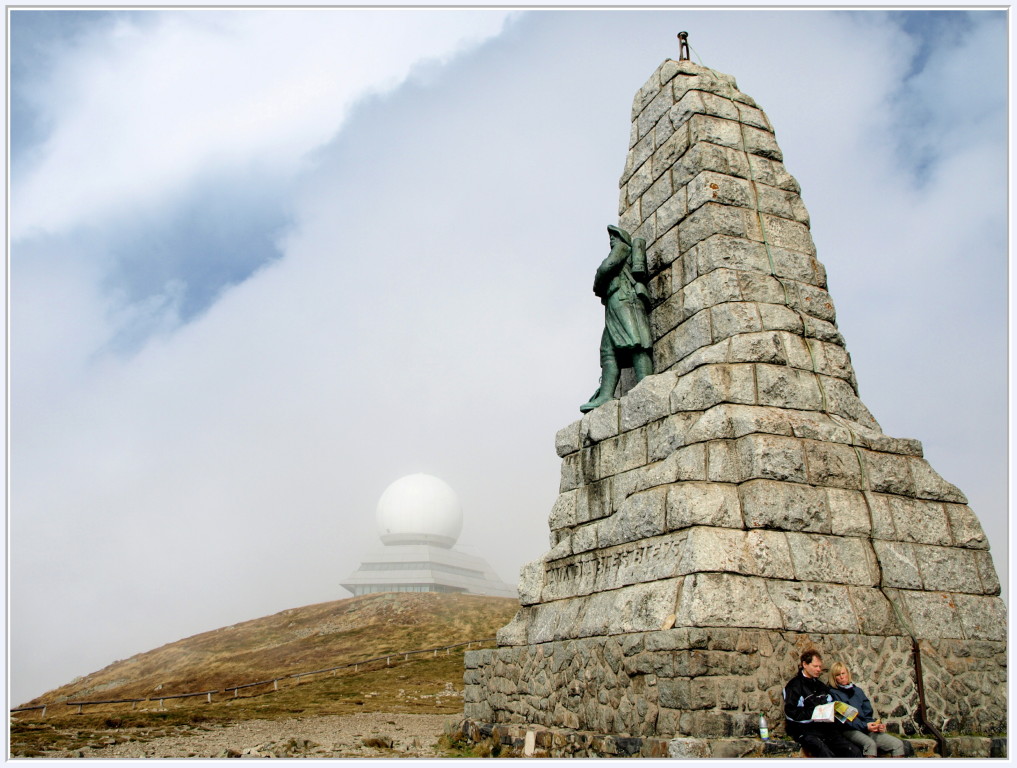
x,y
626,342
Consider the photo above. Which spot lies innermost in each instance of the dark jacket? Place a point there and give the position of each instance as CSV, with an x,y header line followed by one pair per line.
x,y
802,695
856,697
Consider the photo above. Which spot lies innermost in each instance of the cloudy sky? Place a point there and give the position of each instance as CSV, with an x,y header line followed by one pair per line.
x,y
263,263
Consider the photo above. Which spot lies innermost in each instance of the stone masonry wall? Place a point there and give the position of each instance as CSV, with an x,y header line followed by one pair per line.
x,y
715,682
741,503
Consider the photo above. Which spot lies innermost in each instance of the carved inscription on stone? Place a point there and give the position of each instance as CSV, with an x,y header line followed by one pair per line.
x,y
645,560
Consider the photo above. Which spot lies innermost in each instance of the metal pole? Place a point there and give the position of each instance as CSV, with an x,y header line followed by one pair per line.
x,y
683,46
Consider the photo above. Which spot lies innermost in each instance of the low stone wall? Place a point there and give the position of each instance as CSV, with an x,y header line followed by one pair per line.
x,y
529,741
713,683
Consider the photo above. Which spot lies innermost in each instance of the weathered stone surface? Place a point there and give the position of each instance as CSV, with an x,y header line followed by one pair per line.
x,y
563,513
600,423
930,614
919,521
682,341
832,465
819,426
785,506
734,318
876,616
898,564
728,421
948,569
702,503
716,287
686,748
649,400
883,526
665,436
965,529
750,553
614,567
929,485
619,454
713,384
888,473
836,559
640,516
723,462
594,501
786,387
531,581
982,617
813,606
849,514
724,599
772,457
726,252
987,572
513,633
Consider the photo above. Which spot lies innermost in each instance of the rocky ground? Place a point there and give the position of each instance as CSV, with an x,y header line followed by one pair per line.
x,y
360,735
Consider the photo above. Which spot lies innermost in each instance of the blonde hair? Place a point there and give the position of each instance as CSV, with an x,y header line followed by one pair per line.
x,y
835,669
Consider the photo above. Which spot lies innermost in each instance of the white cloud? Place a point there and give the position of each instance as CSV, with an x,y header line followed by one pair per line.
x,y
143,109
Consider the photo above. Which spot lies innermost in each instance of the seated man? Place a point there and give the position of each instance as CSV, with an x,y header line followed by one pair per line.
x,y
802,694
865,731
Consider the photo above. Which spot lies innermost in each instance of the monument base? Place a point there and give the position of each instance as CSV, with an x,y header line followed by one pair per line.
x,y
714,682
537,741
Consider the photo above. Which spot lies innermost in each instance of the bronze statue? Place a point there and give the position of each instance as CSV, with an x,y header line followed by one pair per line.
x,y
626,342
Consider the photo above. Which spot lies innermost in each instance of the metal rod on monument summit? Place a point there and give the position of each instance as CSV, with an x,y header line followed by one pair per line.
x,y
683,46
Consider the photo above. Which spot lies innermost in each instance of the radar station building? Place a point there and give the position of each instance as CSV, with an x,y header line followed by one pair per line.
x,y
419,521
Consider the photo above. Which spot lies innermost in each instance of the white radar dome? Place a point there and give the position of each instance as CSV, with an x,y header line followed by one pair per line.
x,y
420,509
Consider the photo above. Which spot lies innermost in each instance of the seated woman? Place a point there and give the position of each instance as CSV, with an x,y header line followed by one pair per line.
x,y
865,731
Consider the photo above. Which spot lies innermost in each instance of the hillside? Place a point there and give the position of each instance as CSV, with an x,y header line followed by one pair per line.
x,y
295,640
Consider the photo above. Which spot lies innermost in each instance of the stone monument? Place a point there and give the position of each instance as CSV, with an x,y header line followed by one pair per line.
x,y
739,504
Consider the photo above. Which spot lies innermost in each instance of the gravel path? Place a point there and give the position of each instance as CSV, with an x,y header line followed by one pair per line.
x,y
326,736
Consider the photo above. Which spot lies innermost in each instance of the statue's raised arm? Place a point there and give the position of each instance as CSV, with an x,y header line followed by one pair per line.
x,y
620,283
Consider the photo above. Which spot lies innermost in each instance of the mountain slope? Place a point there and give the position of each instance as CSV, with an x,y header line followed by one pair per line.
x,y
295,640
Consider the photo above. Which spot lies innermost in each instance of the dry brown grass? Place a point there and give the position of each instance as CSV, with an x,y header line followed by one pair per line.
x,y
297,640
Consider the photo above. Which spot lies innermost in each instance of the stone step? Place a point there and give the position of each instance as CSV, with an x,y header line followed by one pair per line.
x,y
540,741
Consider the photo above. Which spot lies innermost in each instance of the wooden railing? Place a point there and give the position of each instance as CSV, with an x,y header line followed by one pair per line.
x,y
354,665
29,709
